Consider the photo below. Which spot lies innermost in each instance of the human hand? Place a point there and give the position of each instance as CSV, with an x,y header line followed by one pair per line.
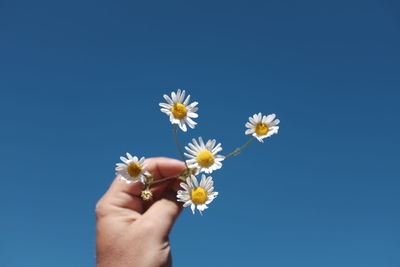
x,y
134,232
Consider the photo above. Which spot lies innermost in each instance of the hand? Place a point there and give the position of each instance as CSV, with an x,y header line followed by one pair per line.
x,y
134,232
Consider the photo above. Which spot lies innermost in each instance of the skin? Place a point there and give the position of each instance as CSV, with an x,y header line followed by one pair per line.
x,y
134,232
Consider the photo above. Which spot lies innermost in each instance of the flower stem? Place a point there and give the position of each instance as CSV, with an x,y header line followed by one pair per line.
x,y
178,145
238,150
182,176
163,180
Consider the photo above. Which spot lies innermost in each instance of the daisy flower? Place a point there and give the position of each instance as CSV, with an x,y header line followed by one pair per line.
x,y
179,110
204,156
262,126
197,195
132,169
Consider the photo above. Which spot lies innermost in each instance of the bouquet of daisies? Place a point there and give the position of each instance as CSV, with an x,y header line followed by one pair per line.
x,y
200,157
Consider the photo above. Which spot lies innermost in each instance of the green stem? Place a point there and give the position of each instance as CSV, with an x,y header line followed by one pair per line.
x,y
163,180
182,176
179,146
238,150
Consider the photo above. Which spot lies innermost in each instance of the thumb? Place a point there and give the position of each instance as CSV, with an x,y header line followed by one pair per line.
x,y
163,213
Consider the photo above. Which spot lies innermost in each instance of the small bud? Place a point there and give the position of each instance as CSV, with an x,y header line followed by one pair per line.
x,y
149,174
148,178
146,194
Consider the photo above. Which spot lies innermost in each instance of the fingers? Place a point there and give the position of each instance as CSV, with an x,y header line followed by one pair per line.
x,y
162,214
119,185
164,167
128,195
121,195
164,211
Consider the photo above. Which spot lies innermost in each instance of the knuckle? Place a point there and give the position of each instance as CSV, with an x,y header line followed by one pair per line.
x,y
100,209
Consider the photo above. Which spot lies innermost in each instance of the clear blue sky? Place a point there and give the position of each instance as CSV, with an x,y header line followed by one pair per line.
x,y
80,83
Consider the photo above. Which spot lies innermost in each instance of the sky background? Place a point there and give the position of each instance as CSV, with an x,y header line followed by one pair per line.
x,y
80,83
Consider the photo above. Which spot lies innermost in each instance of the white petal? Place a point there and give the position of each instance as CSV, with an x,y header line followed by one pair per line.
x,y
193,105
249,125
192,207
190,150
217,149
270,118
259,138
186,102
192,162
178,96
273,130
189,182
264,119
210,190
218,165
185,186
201,142
207,170
203,181
202,207
189,120
192,115
210,144
182,125
182,96
168,99
249,131
123,159
193,147
209,181
165,105
189,155
274,123
194,141
194,180
190,123
174,98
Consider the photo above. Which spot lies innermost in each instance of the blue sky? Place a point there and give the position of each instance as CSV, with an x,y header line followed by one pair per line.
x,y
80,83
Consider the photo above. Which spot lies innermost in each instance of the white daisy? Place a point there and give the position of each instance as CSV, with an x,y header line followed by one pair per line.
x,y
132,169
195,194
262,126
204,156
179,110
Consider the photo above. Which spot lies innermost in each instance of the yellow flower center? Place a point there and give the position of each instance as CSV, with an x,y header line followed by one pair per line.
x,y
179,110
198,195
205,158
134,169
261,128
